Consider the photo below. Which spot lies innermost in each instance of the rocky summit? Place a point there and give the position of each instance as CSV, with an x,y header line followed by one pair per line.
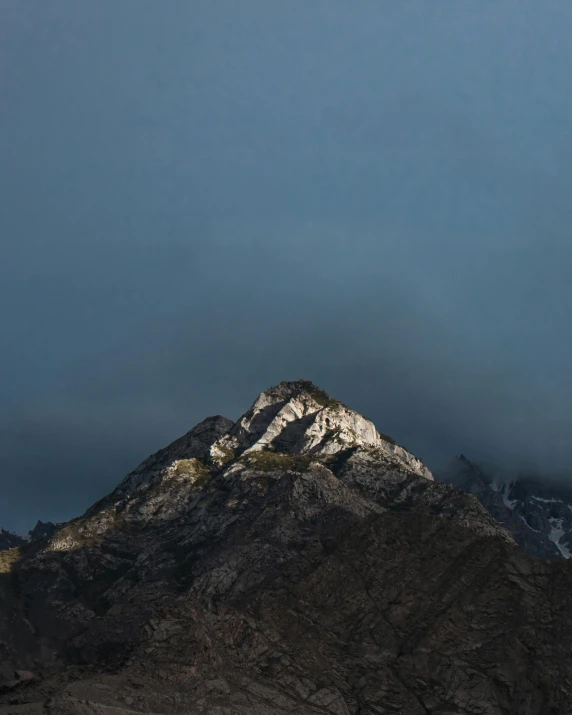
x,y
296,561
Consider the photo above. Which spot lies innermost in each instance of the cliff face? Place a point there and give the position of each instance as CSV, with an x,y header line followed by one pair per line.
x,y
296,561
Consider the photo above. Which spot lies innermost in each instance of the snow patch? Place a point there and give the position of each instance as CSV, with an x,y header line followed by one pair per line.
x,y
556,533
527,524
509,503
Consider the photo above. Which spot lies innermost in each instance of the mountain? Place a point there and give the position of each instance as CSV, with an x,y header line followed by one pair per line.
x,y
538,513
42,530
9,540
296,561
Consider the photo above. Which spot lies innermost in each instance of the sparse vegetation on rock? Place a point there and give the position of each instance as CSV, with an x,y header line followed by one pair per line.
x,y
8,558
279,461
224,454
193,468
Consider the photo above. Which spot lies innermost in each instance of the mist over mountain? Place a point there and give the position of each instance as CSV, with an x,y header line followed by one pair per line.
x,y
535,510
236,193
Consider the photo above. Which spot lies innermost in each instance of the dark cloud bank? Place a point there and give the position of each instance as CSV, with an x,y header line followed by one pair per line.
x,y
202,199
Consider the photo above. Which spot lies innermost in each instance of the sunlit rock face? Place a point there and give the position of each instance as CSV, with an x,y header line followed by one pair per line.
x,y
296,561
299,418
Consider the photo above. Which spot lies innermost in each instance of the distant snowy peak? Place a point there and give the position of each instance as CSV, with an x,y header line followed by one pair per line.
x,y
538,513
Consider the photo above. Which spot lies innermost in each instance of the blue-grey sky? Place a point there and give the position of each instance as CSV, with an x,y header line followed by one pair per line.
x,y
200,199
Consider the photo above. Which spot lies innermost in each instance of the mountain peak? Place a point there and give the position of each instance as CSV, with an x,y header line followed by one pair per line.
x,y
466,475
293,417
42,529
202,577
297,417
289,389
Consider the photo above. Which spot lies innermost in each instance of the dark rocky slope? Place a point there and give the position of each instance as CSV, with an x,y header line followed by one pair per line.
x,y
294,562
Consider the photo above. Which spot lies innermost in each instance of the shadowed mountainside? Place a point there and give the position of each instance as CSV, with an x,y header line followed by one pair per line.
x,y
296,561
